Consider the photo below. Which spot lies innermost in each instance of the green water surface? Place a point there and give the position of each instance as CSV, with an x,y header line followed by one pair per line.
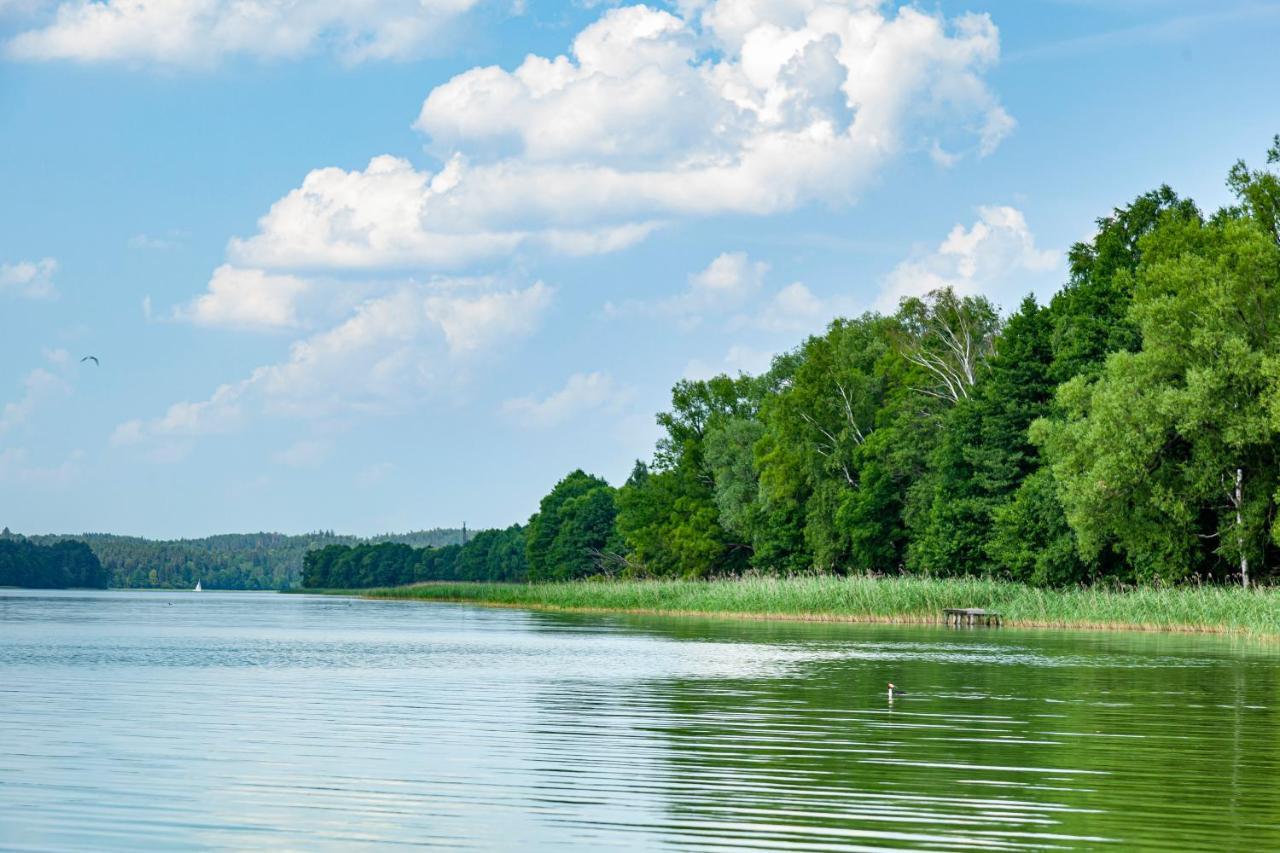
x,y
228,720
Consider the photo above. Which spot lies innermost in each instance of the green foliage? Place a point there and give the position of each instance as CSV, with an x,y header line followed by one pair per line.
x,y
491,555
669,522
227,561
950,338
1031,540
1090,314
1170,455
809,455
668,518
573,532
984,453
58,565
1258,192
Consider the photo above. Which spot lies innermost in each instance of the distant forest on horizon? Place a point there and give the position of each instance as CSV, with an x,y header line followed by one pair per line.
x,y
224,561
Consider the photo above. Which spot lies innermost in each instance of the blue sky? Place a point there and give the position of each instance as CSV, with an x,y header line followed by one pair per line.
x,y
365,266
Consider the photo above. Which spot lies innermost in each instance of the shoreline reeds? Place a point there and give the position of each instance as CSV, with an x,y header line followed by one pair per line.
x,y
907,600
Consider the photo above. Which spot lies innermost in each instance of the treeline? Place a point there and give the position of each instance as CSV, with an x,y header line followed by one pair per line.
x,y
572,535
60,565
227,561
490,555
1126,432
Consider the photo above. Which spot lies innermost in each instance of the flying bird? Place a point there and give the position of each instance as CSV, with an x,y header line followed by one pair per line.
x,y
92,358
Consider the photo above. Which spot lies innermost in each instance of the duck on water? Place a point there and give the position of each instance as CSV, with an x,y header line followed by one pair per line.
x,y
894,691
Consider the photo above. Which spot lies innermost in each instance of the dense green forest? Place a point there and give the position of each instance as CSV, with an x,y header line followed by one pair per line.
x,y
496,555
229,561
58,565
1128,431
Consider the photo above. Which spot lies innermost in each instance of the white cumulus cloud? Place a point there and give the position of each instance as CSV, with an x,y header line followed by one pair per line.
x,y
730,107
996,256
247,298
202,32
392,348
32,279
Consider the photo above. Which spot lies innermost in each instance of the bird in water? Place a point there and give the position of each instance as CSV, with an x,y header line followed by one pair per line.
x,y
92,358
894,691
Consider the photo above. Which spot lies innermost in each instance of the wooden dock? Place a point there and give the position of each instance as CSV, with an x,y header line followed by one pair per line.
x,y
970,617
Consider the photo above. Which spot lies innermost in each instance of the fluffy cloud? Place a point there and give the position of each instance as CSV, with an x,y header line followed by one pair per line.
x,y
32,279
727,283
247,298
583,393
201,32
995,256
472,323
795,309
732,107
391,348
725,107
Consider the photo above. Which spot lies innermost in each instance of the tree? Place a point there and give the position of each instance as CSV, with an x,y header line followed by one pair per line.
x,y
1171,453
669,523
814,427
668,516
59,565
984,453
1031,540
572,529
1258,192
1090,315
950,337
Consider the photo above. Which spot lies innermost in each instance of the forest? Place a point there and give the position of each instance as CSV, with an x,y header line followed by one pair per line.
x,y
59,565
1126,432
227,561
490,555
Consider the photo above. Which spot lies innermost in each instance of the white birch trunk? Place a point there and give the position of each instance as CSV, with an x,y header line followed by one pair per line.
x,y
1239,502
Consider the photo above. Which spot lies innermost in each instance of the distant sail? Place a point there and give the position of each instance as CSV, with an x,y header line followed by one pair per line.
x,y
198,589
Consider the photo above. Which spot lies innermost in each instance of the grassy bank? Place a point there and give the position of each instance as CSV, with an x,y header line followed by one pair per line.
x,y
907,600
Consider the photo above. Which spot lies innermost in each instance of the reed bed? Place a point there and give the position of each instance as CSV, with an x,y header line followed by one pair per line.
x,y
1212,609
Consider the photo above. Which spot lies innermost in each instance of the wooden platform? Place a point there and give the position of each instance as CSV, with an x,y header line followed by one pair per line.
x,y
970,616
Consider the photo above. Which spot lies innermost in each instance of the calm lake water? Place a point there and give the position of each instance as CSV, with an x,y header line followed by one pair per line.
x,y
214,720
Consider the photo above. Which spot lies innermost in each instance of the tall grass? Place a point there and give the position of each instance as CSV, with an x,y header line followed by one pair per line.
x,y
914,600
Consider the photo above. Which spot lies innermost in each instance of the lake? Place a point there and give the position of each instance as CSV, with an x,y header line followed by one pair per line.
x,y
194,721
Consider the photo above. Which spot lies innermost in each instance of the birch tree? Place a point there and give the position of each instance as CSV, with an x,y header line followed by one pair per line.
x,y
950,338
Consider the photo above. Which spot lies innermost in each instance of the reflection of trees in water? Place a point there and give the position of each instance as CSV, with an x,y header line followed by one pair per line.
x,y
1143,747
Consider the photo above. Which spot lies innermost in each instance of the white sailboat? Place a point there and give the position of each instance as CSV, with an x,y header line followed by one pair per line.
x,y
197,589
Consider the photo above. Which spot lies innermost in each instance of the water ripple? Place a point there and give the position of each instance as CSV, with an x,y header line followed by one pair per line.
x,y
218,721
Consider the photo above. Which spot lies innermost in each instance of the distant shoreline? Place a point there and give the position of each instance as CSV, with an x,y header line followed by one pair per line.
x,y
918,601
